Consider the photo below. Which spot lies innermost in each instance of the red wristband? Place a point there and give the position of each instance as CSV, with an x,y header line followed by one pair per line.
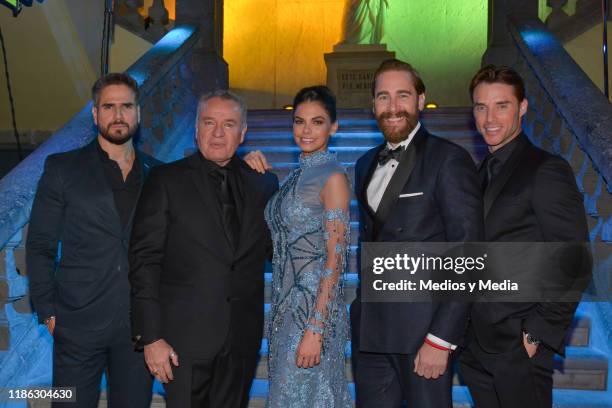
x,y
436,346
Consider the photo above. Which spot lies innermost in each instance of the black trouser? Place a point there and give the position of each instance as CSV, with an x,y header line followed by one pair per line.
x,y
81,356
385,380
510,379
223,381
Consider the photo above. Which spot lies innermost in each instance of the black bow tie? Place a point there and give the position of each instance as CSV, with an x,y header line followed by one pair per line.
x,y
387,154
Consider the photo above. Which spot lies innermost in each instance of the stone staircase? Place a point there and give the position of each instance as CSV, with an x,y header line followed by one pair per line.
x,y
580,379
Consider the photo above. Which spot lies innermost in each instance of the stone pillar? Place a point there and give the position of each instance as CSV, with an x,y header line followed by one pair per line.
x,y
208,64
158,19
128,9
350,72
557,17
500,49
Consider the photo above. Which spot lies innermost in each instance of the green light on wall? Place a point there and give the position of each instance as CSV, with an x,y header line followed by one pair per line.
x,y
443,39
15,5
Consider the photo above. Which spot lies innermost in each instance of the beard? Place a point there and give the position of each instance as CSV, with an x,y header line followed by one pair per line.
x,y
117,136
394,134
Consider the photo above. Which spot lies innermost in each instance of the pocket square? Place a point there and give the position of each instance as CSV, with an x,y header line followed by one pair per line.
x,y
420,193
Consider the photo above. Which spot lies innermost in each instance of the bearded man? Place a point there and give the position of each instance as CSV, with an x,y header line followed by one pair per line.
x,y
86,200
415,187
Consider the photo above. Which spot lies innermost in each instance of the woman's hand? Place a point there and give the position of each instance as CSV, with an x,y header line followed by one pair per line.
x,y
257,161
308,352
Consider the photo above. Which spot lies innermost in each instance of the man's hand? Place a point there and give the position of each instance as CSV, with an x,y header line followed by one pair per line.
x,y
50,323
257,161
430,362
308,352
158,356
530,348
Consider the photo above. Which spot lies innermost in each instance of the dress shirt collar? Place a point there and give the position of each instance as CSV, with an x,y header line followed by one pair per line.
x,y
210,166
503,153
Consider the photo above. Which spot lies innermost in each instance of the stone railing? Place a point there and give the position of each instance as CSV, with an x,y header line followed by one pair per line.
x,y
566,27
568,115
168,75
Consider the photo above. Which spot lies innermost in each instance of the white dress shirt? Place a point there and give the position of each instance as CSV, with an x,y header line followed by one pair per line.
x,y
378,184
383,173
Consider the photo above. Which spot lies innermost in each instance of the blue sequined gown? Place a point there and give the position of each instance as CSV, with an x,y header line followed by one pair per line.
x,y
306,294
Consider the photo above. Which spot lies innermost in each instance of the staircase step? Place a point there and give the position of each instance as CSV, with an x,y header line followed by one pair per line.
x,y
362,118
350,138
581,369
291,153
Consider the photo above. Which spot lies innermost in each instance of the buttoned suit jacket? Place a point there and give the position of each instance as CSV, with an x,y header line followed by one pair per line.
x,y
189,285
534,198
448,210
87,286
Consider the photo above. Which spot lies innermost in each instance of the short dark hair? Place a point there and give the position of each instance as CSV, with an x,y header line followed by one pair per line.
x,y
317,93
397,65
113,78
492,74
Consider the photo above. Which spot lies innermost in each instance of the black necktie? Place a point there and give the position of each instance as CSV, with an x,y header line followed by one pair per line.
x,y
387,154
492,167
228,205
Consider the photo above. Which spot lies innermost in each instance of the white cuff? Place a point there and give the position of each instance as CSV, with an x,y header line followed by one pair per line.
x,y
440,342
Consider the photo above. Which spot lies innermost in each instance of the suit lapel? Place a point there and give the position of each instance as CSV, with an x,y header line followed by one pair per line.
x,y
208,196
400,178
370,165
246,207
498,183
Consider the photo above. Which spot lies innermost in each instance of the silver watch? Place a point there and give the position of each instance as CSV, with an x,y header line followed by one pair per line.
x,y
531,340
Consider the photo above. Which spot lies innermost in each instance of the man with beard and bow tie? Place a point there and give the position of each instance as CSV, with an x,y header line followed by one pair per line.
x,y
415,187
85,201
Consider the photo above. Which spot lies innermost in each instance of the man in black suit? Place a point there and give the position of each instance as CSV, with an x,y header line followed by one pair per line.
x,y
85,200
197,264
529,196
413,188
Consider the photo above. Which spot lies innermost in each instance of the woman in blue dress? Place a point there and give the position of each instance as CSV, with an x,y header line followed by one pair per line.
x,y
309,221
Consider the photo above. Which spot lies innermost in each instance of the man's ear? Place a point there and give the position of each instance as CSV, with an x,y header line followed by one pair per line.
x,y
94,114
421,98
523,107
243,133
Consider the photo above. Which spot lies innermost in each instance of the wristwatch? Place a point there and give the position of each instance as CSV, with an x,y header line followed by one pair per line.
x,y
531,340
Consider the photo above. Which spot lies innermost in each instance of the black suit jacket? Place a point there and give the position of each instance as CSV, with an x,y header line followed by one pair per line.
x,y
74,205
188,286
449,210
534,198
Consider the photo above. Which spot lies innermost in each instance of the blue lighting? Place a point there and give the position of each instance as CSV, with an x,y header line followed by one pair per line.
x,y
175,38
141,71
139,77
538,39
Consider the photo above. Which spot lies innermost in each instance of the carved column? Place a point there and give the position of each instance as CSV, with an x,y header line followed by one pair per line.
x,y
558,16
127,15
208,61
158,19
500,49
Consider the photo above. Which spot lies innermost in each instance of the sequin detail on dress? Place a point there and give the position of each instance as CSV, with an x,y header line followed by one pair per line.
x,y
307,288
